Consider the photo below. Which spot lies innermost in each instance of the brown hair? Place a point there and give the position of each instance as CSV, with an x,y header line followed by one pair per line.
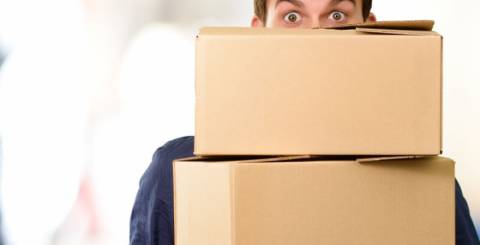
x,y
261,9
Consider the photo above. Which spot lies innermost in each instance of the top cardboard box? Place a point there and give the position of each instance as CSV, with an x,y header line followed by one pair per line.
x,y
371,89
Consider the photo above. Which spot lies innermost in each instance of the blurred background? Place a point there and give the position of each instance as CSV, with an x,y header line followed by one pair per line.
x,y
90,88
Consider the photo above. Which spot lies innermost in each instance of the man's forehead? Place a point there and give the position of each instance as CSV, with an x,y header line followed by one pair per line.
x,y
301,3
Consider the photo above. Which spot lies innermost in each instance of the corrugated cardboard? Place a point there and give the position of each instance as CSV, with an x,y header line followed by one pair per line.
x,y
363,91
312,201
419,25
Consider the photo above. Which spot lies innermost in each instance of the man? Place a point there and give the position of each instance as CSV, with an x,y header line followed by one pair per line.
x,y
152,215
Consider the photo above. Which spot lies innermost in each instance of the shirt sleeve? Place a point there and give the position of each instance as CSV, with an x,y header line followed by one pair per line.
x,y
151,221
465,230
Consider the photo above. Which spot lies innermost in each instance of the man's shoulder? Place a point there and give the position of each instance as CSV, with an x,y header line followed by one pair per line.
x,y
151,218
164,156
176,148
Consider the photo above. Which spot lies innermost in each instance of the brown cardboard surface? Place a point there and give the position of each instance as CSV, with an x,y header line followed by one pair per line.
x,y
314,202
393,31
262,91
420,25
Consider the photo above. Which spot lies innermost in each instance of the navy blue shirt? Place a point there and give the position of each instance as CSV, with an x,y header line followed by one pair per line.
x,y
151,220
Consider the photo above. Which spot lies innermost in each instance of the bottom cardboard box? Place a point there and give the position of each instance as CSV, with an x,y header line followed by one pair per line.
x,y
305,200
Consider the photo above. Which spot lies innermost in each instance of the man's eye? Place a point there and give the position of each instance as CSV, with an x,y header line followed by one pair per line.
x,y
292,17
337,16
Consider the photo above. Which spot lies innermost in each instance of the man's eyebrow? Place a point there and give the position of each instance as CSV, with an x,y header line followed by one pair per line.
x,y
336,2
294,2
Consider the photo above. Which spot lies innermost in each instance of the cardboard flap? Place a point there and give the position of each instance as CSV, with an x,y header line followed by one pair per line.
x,y
186,159
387,158
413,25
280,159
224,158
394,32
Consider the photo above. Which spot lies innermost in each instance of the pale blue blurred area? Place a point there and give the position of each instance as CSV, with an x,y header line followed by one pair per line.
x,y
477,224
1,223
2,58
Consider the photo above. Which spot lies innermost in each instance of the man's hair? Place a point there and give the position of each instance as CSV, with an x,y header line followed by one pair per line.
x,y
261,9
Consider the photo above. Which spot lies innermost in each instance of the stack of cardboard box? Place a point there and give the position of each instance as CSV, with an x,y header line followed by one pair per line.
x,y
317,137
